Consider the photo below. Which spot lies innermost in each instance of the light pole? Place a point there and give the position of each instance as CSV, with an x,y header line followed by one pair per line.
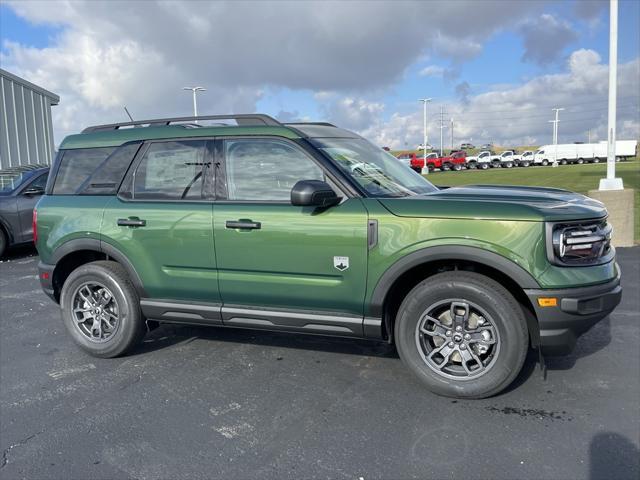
x,y
555,135
425,134
194,91
611,182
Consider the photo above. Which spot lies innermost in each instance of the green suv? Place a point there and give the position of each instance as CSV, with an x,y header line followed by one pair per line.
x,y
309,228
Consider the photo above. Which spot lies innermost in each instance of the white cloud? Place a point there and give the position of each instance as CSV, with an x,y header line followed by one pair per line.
x,y
112,53
432,71
545,38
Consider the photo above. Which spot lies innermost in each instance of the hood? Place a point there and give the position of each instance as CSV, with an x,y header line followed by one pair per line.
x,y
498,202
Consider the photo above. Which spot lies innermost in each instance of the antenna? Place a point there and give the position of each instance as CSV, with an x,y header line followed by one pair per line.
x,y
128,114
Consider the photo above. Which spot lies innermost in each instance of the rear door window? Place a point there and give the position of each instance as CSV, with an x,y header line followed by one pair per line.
x,y
109,174
171,171
76,166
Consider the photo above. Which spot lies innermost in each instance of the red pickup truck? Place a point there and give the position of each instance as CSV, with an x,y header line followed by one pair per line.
x,y
454,161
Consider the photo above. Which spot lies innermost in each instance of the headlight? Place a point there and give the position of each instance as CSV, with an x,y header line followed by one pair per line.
x,y
579,243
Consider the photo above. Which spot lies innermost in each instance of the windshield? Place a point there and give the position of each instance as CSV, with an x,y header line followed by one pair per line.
x,y
9,181
376,171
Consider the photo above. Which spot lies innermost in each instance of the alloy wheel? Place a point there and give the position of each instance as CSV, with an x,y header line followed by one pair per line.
x,y
457,339
95,312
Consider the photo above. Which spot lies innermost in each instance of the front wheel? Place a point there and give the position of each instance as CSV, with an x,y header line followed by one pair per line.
x,y
462,334
545,162
457,167
524,164
472,165
101,309
596,160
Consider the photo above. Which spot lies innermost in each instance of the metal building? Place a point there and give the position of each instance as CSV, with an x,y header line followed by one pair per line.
x,y
26,132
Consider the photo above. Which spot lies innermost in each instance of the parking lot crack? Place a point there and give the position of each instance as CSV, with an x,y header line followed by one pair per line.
x,y
5,452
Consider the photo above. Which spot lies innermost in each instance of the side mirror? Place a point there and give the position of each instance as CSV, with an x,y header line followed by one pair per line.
x,y
33,191
313,193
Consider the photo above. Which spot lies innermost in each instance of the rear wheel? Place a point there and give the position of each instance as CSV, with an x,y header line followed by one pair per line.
x,y
462,334
580,161
596,160
472,165
484,166
524,164
545,162
431,167
563,161
446,167
101,309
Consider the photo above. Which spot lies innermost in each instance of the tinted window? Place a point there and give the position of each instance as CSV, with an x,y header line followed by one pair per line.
x,y
108,176
170,171
40,182
266,169
75,168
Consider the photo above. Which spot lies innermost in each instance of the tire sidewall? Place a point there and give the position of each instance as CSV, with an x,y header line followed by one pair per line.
x,y
509,323
128,308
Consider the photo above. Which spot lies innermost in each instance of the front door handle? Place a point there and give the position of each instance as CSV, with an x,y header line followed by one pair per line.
x,y
131,222
243,224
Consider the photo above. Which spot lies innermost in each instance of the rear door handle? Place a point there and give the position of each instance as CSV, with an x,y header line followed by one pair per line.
x,y
131,222
243,224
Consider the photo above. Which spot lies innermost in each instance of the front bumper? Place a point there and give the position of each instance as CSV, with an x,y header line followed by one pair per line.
x,y
577,310
45,274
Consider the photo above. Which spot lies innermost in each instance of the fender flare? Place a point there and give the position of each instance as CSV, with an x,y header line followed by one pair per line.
x,y
454,252
97,245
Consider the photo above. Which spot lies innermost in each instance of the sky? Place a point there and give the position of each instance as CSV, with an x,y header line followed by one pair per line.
x,y
495,69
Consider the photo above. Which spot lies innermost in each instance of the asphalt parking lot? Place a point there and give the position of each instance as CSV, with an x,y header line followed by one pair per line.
x,y
221,403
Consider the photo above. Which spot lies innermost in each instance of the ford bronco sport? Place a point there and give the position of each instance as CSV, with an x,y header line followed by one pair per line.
x,y
309,228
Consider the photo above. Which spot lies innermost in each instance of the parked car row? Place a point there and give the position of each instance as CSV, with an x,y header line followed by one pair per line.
x,y
546,155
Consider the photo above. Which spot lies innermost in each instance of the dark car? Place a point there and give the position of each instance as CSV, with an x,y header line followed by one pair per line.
x,y
20,189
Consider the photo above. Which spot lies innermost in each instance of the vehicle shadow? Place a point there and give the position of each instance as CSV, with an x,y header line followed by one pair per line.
x,y
167,335
612,455
591,342
19,252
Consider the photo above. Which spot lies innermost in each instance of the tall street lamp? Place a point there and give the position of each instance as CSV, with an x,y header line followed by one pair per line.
x,y
425,135
194,91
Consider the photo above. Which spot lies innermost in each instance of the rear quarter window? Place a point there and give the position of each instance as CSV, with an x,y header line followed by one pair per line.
x,y
76,166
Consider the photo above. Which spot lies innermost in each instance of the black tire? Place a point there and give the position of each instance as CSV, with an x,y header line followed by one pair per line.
x,y
446,167
4,241
545,162
472,165
431,168
457,167
484,166
130,326
524,164
596,160
580,161
500,309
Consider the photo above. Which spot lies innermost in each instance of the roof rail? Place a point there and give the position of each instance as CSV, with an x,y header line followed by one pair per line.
x,y
324,124
246,119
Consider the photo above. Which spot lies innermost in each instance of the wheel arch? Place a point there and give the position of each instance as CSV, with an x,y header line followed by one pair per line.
x,y
74,253
407,272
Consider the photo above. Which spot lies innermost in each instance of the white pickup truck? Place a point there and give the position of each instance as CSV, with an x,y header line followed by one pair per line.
x,y
525,158
506,159
482,160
